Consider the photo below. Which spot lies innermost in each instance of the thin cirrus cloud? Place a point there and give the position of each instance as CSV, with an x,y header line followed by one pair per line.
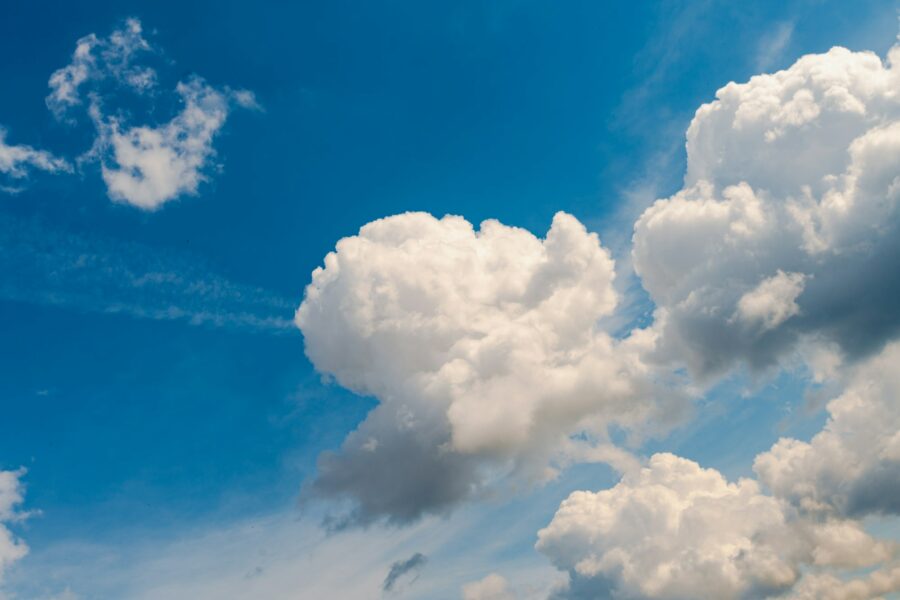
x,y
51,267
18,160
480,346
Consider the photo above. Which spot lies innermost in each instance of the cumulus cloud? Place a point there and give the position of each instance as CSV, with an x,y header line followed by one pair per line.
x,y
150,164
787,225
11,496
852,467
483,350
16,161
97,59
492,587
147,166
675,530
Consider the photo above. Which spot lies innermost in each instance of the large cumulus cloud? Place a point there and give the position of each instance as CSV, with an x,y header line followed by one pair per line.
x,y
483,349
677,531
787,225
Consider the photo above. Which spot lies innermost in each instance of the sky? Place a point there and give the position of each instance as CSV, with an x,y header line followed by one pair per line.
x,y
508,300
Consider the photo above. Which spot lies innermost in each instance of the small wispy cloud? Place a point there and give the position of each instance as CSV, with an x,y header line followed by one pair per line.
x,y
399,569
773,44
56,268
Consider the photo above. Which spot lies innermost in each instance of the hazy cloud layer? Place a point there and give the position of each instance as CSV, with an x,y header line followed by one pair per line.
x,y
482,348
57,268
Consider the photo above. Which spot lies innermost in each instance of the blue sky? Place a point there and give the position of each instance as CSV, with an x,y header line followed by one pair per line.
x,y
153,382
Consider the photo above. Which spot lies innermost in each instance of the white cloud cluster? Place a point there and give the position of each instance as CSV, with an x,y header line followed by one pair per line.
x,y
677,531
17,160
97,59
788,222
852,467
150,165
11,496
483,350
142,165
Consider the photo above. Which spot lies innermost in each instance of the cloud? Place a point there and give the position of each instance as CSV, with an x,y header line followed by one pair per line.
x,y
411,566
675,530
52,267
852,467
788,218
147,166
482,349
11,497
17,160
97,59
150,164
492,587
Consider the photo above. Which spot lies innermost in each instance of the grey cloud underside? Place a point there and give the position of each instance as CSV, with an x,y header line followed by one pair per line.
x,y
410,472
402,568
56,268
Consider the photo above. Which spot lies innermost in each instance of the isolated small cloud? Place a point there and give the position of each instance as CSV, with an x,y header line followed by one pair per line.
x,y
404,568
492,587
148,166
96,59
17,161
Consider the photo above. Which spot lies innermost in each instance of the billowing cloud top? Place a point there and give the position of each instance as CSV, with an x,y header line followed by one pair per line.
x,y
787,225
482,348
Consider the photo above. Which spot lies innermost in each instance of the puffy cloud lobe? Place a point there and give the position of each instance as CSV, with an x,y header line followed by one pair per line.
x,y
676,530
147,166
852,467
17,160
96,59
825,586
492,587
483,350
11,496
788,219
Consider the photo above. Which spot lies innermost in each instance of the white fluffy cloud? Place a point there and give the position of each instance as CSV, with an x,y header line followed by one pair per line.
x,y
148,166
492,587
852,466
675,530
787,225
142,165
483,350
11,496
96,59
17,160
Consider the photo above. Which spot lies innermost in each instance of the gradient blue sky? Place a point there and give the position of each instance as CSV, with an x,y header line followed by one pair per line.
x,y
139,433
